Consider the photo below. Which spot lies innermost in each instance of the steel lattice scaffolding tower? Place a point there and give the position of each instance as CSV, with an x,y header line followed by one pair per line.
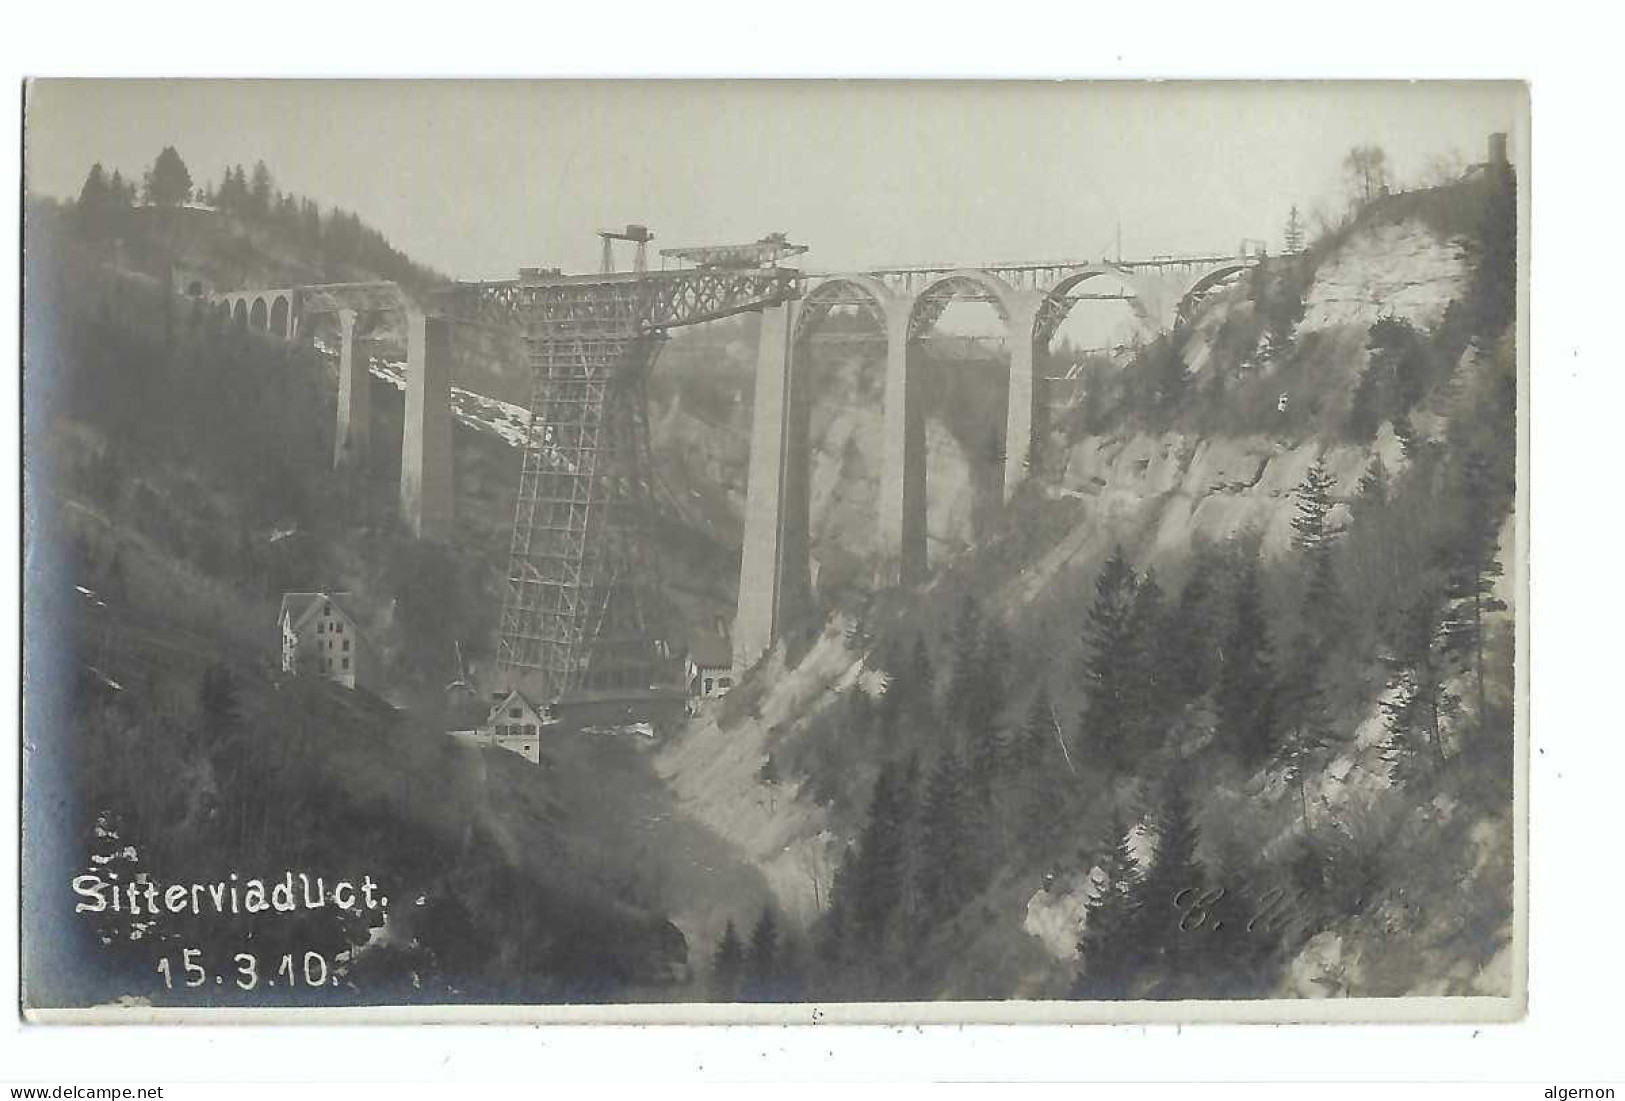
x,y
583,607
582,587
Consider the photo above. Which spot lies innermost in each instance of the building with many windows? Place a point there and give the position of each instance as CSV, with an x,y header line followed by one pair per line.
x,y
321,634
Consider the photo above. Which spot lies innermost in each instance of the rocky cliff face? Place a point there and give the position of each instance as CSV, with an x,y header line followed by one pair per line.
x,y
1403,270
847,443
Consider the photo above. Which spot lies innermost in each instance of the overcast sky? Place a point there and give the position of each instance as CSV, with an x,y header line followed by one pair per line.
x,y
481,178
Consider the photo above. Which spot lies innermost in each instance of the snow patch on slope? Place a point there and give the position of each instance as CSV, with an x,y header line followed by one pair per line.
x,y
504,420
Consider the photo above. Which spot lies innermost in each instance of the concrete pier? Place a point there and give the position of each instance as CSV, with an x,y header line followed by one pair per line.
x,y
773,574
353,436
1021,416
426,460
902,461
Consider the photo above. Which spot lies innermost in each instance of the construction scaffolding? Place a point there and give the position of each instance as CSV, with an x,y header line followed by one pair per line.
x,y
583,610
583,588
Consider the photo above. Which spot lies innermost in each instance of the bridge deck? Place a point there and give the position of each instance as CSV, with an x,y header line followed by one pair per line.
x,y
942,268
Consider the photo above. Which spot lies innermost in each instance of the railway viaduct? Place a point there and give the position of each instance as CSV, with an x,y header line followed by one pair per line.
x,y
290,313
1032,300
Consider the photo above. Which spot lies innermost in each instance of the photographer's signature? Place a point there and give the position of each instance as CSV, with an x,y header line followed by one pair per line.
x,y
1277,912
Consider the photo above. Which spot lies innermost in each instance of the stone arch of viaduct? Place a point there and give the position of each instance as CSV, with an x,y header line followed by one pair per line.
x,y
1032,301
289,313
277,312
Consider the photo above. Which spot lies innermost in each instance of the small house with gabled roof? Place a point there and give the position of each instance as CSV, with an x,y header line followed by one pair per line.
x,y
708,668
514,722
321,633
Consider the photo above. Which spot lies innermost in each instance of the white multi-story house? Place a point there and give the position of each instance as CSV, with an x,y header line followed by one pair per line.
x,y
321,634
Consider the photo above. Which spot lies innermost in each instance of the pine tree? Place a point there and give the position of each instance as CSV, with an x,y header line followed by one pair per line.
x,y
1168,891
1153,698
1193,642
310,223
1168,373
945,878
1245,698
789,968
1279,304
1419,704
965,677
880,867
259,191
1292,238
922,680
97,203
93,193
234,191
1471,568
1369,405
1033,748
1107,949
121,193
1038,777
728,966
1313,536
1374,486
1311,531
762,960
832,943
996,661
981,701
1396,375
1304,744
1110,663
907,702
169,183
1176,865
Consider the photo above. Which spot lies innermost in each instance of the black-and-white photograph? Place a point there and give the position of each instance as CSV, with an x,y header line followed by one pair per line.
x,y
775,551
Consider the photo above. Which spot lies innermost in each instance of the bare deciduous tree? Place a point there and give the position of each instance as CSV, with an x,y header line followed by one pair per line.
x,y
1366,167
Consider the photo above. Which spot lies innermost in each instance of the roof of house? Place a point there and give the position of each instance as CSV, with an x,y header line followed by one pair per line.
x,y
709,650
505,701
300,607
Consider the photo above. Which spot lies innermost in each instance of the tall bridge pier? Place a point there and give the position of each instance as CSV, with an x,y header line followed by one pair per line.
x,y
774,579
426,461
352,439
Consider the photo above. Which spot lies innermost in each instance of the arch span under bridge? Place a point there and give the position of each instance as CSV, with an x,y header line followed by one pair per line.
x,y
1032,300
